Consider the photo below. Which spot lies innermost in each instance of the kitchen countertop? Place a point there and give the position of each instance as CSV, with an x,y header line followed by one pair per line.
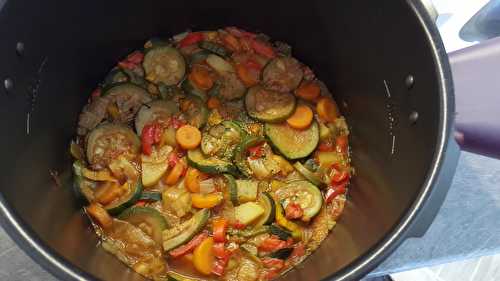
x,y
465,227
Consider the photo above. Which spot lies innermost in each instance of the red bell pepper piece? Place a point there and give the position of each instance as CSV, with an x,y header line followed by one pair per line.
x,y
172,159
334,191
262,48
326,147
140,203
127,64
293,211
298,251
272,244
256,152
219,268
219,229
190,39
151,134
238,225
176,123
186,248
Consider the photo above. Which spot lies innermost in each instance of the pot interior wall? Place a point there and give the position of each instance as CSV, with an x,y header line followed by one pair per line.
x,y
359,48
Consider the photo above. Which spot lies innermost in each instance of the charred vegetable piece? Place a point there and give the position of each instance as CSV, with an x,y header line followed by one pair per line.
x,y
108,141
215,48
309,175
174,237
209,165
147,219
240,155
282,254
128,199
267,203
164,64
195,110
155,111
293,143
269,106
303,193
282,74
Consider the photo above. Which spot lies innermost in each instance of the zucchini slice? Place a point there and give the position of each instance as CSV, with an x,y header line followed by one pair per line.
x,y
158,109
267,202
215,48
210,165
108,141
221,140
116,75
174,237
232,188
150,196
293,143
303,193
147,219
309,175
269,106
197,111
127,200
83,188
199,56
240,155
164,64
246,190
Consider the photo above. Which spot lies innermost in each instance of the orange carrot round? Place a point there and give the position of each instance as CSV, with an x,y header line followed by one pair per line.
x,y
327,109
245,76
213,103
308,91
188,137
301,118
176,172
201,77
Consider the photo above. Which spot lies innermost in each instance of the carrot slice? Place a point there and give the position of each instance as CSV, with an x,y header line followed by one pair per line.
x,y
245,76
176,172
301,118
188,137
308,91
213,103
201,77
327,109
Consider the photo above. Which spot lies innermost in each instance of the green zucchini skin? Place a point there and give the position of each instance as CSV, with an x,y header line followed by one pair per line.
x,y
138,215
118,207
295,190
196,224
210,165
241,153
150,196
233,190
310,176
267,202
280,232
215,48
290,142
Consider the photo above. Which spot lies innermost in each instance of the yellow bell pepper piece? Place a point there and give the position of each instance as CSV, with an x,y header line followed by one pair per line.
x,y
103,175
203,257
202,201
284,222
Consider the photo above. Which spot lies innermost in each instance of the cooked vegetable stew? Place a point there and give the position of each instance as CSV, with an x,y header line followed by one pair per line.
x,y
212,155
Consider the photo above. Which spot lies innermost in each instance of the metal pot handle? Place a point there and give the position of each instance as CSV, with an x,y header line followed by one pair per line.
x,y
477,93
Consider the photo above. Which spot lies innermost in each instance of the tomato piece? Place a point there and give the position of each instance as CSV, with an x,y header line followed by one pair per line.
x,y
342,144
293,211
147,139
298,251
190,39
238,225
127,65
326,147
272,244
189,247
273,263
333,192
251,63
256,152
240,32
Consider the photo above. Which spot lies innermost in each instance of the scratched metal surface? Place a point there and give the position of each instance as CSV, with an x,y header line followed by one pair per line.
x,y
466,227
